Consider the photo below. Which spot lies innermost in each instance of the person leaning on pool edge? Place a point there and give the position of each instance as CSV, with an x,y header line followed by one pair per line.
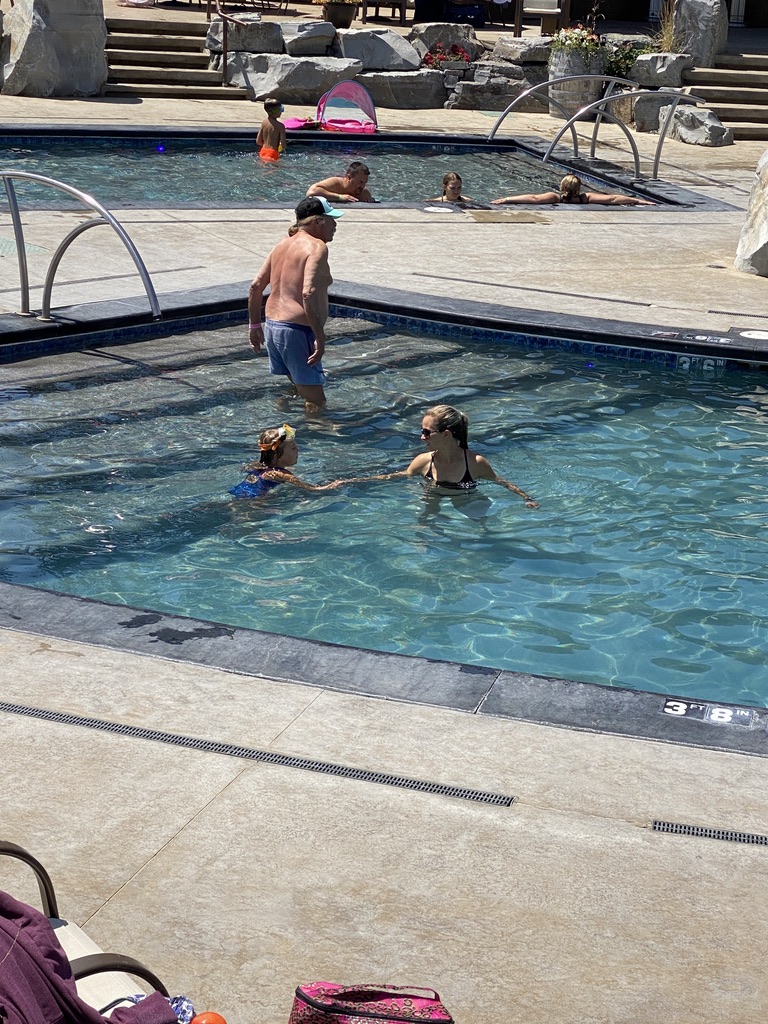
x,y
298,276
351,188
570,192
451,190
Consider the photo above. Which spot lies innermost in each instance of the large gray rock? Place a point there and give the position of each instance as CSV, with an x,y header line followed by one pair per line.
x,y
647,108
406,90
660,70
425,37
493,93
253,36
523,51
54,48
379,49
308,38
752,250
702,28
696,126
300,80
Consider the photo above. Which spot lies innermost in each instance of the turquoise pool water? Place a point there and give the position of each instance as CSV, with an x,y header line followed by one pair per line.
x,y
173,172
644,567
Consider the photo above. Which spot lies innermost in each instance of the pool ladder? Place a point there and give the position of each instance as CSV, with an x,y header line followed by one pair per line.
x,y
104,217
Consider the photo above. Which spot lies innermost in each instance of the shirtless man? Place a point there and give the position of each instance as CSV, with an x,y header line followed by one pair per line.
x,y
352,188
298,274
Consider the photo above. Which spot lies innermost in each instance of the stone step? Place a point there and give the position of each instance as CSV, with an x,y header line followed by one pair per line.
x,y
169,76
726,77
740,113
141,26
744,61
190,92
121,41
748,131
150,58
713,94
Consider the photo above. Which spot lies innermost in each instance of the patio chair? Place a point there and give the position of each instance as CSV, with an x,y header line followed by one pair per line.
x,y
395,6
103,980
554,14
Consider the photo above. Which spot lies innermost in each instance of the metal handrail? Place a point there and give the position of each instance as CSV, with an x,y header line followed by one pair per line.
x,y
105,217
225,19
598,107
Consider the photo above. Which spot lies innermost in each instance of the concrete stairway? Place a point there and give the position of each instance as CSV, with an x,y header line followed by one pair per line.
x,y
162,58
736,89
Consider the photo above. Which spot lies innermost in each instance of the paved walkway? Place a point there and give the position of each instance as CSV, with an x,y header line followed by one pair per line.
x,y
236,880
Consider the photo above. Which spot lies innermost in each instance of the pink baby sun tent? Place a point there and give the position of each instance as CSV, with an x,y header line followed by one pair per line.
x,y
347,107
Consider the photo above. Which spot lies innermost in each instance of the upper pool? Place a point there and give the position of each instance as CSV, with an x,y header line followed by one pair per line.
x,y
168,171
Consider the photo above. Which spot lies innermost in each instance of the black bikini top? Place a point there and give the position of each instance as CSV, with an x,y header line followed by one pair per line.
x,y
465,484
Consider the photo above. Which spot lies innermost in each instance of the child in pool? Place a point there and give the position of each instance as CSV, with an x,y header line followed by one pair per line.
x,y
271,137
279,452
451,190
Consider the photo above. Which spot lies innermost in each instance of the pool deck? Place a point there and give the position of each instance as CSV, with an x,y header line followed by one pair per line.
x,y
236,879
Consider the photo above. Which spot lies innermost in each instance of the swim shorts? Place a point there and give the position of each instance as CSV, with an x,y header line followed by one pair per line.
x,y
271,155
289,346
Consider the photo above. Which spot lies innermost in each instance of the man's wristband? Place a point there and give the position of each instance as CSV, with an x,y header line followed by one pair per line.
x,y
252,327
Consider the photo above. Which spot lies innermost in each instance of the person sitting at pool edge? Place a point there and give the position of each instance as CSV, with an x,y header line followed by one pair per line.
x,y
451,190
351,188
570,192
271,137
279,452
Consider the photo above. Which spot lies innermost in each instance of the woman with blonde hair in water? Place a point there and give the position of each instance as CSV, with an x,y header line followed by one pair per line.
x,y
570,193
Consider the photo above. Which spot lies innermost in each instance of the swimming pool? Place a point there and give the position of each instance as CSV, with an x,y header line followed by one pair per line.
x,y
643,568
170,171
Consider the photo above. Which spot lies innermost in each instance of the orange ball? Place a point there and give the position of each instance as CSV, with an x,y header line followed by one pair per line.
x,y
208,1017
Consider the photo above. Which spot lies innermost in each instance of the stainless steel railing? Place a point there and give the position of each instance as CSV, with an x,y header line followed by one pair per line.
x,y
598,107
105,217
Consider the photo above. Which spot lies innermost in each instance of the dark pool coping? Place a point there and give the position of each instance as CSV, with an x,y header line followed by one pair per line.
x,y
89,325
594,172
471,689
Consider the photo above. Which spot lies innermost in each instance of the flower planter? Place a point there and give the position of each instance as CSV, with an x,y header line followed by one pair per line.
x,y
575,95
339,15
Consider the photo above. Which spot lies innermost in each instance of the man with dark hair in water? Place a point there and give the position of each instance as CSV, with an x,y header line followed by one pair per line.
x,y
351,188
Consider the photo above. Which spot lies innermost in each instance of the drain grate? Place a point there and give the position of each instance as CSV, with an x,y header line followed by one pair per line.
x,y
735,312
265,756
729,835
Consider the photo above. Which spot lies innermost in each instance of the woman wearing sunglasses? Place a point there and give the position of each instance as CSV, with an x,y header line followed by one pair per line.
x,y
449,463
279,452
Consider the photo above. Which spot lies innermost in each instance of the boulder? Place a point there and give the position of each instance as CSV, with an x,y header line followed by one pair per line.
x,y
646,112
301,80
494,81
702,28
407,90
54,49
752,250
308,38
379,49
696,126
660,70
425,37
254,36
522,51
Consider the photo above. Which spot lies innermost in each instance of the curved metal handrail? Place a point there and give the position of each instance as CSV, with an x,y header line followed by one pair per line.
x,y
598,107
105,217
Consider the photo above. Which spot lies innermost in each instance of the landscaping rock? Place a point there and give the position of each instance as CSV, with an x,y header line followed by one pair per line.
x,y
696,126
425,37
407,90
702,28
379,49
256,36
522,51
646,112
660,70
54,49
308,38
752,250
301,80
494,81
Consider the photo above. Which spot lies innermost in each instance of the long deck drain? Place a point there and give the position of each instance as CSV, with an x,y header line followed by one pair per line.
x,y
736,312
265,756
729,835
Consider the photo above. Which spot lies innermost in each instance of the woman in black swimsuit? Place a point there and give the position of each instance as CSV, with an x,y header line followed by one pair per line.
x,y
448,462
570,192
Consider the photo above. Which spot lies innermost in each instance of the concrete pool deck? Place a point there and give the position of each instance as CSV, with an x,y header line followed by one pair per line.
x,y
236,880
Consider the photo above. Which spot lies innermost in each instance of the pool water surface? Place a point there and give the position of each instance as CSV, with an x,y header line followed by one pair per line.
x,y
644,566
180,172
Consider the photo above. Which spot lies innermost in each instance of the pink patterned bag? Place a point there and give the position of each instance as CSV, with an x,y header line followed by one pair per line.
x,y
322,1002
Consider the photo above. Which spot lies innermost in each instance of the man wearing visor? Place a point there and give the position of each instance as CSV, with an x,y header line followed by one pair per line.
x,y
296,309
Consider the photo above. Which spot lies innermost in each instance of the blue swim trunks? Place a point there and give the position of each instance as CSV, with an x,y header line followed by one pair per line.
x,y
288,347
